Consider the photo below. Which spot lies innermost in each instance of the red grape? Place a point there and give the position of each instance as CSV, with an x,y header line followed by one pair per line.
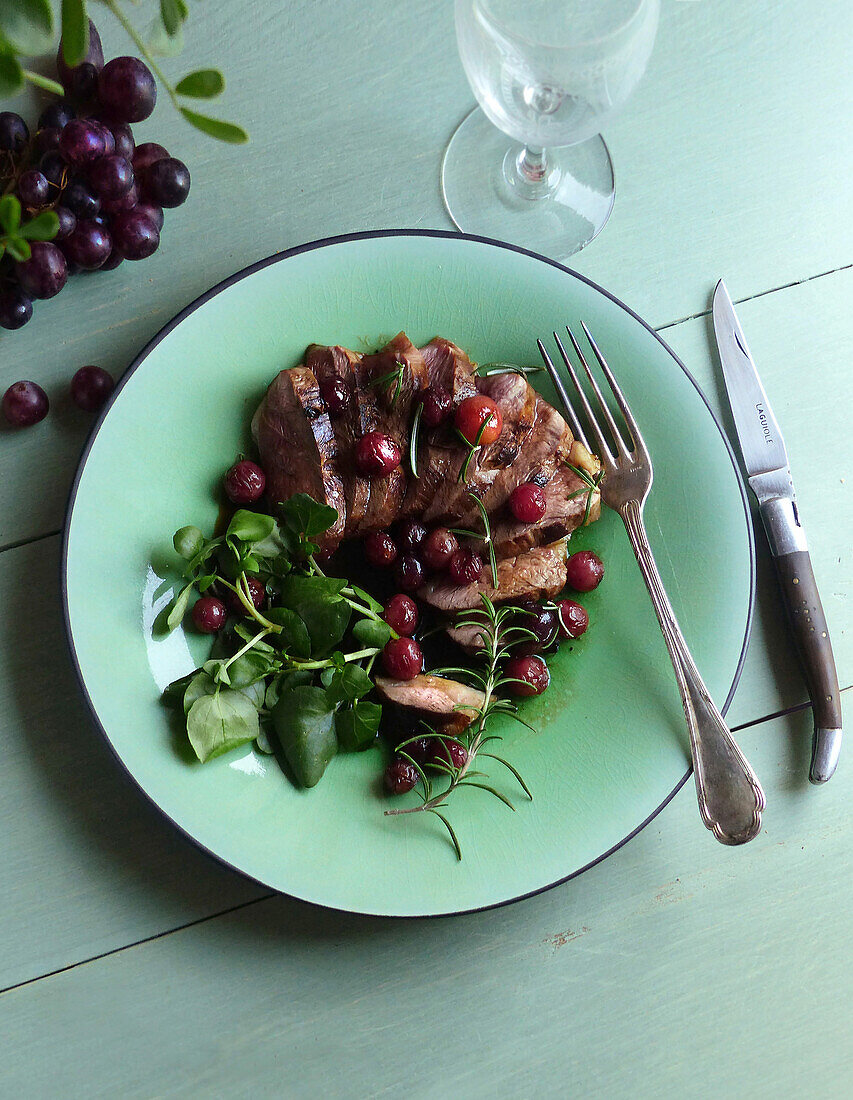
x,y
377,455
56,115
465,567
14,132
44,273
400,777
257,591
380,549
81,200
473,413
134,235
90,388
401,614
67,223
527,503
410,535
439,547
112,261
88,246
584,571
541,622
402,658
54,167
167,182
46,141
123,137
334,391
530,674
126,89
111,177
209,614
449,753
33,189
147,153
573,619
92,62
152,213
437,404
15,308
24,404
409,573
245,482
82,141
128,201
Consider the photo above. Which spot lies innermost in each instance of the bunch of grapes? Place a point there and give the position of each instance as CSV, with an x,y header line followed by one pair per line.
x,y
108,193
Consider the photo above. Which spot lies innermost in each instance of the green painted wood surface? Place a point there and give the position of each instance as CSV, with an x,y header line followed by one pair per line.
x,y
676,967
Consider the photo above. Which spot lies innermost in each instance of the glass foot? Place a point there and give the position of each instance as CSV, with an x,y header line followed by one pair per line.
x,y
555,215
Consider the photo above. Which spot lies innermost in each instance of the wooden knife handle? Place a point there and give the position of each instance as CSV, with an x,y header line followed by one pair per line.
x,y
812,637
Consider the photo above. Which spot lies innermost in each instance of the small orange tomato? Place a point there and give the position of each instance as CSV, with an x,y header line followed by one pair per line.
x,y
475,412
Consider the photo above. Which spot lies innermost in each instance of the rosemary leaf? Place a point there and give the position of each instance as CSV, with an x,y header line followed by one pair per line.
x,y
413,440
449,828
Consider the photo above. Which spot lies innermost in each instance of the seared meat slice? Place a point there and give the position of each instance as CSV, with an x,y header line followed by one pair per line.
x,y
434,699
297,446
361,416
450,369
565,503
516,399
468,636
531,575
395,402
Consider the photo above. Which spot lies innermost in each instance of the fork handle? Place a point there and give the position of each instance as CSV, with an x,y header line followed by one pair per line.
x,y
731,800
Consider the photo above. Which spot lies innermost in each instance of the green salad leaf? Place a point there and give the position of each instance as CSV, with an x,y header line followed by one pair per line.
x,y
305,725
357,726
220,722
318,602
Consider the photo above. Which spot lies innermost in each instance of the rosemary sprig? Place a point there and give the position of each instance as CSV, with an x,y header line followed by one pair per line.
x,y
388,379
472,449
485,538
591,483
498,634
413,440
489,369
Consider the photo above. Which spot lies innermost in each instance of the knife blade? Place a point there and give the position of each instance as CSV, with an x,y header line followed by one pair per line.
x,y
769,476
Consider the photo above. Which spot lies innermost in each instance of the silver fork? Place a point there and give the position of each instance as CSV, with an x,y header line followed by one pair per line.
x,y
730,797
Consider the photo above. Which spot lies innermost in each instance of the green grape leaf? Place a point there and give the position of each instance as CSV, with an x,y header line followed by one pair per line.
x,y
19,250
10,215
215,127
202,84
43,227
11,75
27,26
173,13
75,31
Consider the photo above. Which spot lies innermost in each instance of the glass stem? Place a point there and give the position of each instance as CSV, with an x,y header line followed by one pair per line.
x,y
532,164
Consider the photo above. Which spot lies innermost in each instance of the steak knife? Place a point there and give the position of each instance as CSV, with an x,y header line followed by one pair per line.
x,y
769,475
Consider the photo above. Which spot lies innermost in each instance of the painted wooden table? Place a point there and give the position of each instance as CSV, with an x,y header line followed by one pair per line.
x,y
132,964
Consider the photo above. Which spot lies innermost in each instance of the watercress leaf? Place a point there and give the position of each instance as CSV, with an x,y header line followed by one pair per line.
x,y
11,77
28,26
249,526
179,608
286,682
294,633
202,84
220,722
263,745
43,227
205,582
254,693
248,635
201,683
188,541
326,677
249,564
318,602
217,669
356,726
306,516
348,684
279,567
75,32
249,668
370,632
216,127
304,724
173,693
272,545
367,599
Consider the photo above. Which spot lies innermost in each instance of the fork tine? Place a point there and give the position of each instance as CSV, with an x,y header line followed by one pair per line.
x,y
600,441
571,415
621,446
633,427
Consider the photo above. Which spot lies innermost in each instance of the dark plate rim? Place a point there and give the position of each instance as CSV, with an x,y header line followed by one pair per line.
x,y
278,257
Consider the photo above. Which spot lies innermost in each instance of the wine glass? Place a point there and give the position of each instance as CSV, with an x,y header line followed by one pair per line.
x,y
529,164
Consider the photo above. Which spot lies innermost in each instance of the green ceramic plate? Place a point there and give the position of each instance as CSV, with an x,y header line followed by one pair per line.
x,y
610,748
